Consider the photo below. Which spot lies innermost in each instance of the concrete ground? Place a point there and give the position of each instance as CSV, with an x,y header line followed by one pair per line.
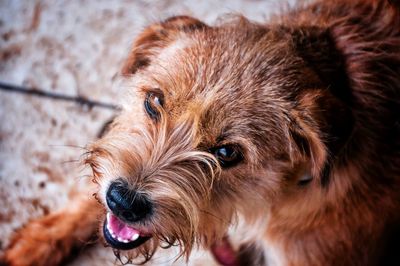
x,y
75,48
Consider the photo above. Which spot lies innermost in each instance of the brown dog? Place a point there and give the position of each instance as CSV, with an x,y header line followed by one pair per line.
x,y
282,138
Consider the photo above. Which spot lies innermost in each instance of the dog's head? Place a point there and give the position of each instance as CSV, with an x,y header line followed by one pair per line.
x,y
220,122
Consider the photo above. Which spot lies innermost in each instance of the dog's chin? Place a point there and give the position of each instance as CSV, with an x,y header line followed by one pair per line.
x,y
120,235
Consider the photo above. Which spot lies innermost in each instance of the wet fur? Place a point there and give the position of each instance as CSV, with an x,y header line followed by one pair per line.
x,y
313,92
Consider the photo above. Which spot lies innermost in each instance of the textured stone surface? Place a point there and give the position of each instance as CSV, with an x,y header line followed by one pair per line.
x,y
74,48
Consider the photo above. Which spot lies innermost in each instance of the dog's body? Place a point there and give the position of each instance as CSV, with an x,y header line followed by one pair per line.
x,y
282,138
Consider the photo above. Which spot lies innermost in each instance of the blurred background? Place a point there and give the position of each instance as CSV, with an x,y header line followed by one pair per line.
x,y
73,48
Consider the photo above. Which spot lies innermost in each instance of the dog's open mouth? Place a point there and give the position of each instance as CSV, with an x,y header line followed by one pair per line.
x,y
120,235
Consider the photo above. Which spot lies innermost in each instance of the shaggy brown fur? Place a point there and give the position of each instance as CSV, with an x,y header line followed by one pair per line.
x,y
310,101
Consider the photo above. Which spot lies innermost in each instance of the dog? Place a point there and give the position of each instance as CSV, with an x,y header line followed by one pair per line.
x,y
269,144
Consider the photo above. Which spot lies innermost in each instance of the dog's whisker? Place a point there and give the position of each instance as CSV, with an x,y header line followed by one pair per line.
x,y
82,177
216,217
67,146
71,161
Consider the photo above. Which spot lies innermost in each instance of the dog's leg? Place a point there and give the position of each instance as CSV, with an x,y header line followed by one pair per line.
x,y
50,239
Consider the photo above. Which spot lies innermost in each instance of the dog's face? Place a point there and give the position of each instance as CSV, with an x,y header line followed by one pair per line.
x,y
220,122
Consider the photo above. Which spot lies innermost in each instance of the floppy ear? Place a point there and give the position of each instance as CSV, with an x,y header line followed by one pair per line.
x,y
317,48
308,138
320,128
155,37
323,121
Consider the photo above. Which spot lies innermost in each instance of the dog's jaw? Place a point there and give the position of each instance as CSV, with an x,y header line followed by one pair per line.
x,y
122,236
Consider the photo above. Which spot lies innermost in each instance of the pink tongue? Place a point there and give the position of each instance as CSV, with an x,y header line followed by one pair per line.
x,y
120,229
224,253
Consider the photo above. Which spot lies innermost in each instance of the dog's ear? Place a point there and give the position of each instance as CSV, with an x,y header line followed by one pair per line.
x,y
157,36
320,128
323,117
306,136
317,48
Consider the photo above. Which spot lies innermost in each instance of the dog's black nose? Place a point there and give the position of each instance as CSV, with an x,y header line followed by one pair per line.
x,y
126,203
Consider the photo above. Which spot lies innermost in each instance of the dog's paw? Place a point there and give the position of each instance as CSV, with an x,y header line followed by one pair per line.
x,y
45,241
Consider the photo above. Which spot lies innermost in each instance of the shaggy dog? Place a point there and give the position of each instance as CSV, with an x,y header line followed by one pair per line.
x,y
272,144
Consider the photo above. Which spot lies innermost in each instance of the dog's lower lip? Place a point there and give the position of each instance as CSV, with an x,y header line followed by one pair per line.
x,y
122,245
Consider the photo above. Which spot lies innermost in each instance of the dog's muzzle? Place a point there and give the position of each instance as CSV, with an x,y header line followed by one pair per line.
x,y
126,208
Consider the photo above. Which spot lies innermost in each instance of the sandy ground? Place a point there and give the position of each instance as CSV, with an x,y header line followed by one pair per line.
x,y
75,48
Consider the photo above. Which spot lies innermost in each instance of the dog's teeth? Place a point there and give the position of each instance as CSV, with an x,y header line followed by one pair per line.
x,y
109,226
110,230
134,237
108,222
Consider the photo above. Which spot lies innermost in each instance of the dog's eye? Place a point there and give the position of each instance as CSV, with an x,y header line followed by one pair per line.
x,y
152,103
228,155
